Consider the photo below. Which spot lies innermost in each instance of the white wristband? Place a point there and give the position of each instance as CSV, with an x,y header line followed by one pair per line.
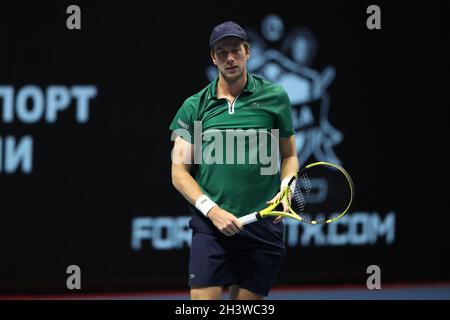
x,y
284,184
204,204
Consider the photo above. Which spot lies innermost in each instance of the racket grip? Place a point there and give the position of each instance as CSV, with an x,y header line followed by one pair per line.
x,y
249,218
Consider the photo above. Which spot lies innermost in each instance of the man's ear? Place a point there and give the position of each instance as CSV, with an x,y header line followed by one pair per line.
x,y
212,57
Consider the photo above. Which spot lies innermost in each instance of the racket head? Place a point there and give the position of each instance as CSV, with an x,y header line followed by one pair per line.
x,y
324,192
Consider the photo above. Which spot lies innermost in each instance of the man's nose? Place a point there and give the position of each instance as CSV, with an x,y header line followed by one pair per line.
x,y
230,58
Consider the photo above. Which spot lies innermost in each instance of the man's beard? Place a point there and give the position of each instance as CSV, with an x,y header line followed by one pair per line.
x,y
233,78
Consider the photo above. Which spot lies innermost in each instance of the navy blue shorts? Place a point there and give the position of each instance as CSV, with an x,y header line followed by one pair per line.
x,y
251,259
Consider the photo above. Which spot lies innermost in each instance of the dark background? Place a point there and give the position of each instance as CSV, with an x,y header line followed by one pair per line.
x,y
389,100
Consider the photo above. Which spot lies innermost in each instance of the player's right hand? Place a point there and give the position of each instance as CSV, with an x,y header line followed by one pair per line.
x,y
226,222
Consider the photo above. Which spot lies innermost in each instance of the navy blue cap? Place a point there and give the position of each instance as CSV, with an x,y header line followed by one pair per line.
x,y
227,29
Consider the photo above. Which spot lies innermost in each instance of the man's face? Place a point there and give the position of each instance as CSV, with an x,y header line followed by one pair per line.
x,y
230,56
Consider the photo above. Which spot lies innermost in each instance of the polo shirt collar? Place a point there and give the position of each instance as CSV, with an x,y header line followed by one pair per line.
x,y
250,86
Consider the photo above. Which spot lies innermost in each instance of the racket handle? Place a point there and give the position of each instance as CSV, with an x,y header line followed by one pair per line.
x,y
249,218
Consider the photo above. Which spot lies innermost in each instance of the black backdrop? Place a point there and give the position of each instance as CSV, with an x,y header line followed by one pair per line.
x,y
89,180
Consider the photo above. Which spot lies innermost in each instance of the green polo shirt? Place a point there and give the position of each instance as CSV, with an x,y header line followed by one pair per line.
x,y
236,144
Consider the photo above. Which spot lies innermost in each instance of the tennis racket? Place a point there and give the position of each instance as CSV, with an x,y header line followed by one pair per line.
x,y
323,193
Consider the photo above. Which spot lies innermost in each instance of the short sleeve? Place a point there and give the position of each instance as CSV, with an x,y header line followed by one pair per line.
x,y
284,114
183,123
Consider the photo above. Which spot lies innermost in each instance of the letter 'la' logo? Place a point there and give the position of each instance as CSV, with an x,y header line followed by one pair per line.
x,y
290,66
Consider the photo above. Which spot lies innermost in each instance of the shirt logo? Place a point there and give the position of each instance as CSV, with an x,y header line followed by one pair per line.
x,y
183,124
254,105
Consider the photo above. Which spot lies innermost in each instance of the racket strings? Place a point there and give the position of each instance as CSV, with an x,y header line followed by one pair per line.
x,y
321,193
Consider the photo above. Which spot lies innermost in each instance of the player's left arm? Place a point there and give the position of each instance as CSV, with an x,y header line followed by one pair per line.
x,y
288,152
289,160
287,145
289,166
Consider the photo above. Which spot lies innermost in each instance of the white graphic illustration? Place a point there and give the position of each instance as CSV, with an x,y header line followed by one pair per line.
x,y
289,65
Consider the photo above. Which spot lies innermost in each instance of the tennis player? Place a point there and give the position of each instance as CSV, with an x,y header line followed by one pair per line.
x,y
223,252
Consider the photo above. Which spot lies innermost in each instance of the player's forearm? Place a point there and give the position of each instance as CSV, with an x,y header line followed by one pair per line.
x,y
191,191
186,185
289,163
289,167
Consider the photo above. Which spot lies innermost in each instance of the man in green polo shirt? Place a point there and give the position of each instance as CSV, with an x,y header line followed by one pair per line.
x,y
225,163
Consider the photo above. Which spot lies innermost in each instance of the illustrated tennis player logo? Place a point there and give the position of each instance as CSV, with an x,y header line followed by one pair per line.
x,y
290,66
